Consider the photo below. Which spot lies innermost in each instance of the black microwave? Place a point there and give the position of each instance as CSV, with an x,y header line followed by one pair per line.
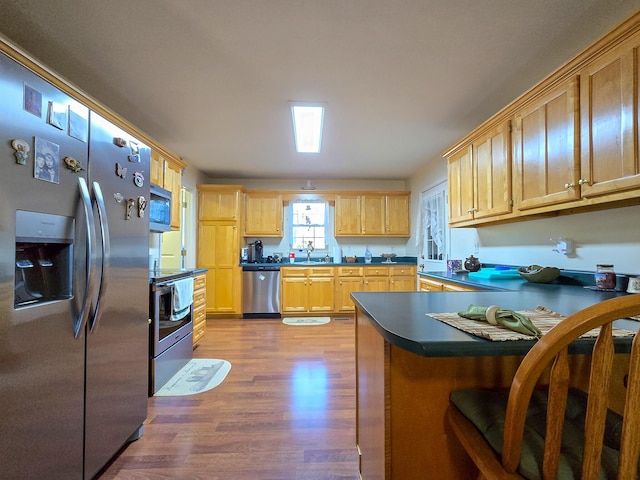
x,y
159,209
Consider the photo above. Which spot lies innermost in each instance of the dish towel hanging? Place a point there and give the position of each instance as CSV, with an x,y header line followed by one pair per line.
x,y
181,298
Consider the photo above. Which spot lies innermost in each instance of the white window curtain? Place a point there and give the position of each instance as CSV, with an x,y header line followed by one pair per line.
x,y
432,237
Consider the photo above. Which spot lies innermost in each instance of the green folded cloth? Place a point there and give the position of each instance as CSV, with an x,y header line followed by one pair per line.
x,y
506,318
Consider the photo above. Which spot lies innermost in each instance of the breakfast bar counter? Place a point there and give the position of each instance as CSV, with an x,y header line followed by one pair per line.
x,y
408,362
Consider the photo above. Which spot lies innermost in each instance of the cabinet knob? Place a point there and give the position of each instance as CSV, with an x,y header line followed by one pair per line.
x,y
472,210
582,181
569,185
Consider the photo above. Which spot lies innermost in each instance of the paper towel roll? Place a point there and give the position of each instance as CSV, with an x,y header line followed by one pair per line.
x,y
337,255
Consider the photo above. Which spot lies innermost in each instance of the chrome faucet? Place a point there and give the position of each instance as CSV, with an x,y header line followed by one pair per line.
x,y
309,250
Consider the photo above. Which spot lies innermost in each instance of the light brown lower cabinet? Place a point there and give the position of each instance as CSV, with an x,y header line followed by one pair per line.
x,y
307,290
427,284
328,289
402,278
199,306
349,279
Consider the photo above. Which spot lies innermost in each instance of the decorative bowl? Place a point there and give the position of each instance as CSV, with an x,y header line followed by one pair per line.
x,y
350,259
538,274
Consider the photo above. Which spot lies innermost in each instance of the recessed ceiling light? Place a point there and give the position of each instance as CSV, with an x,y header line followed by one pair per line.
x,y
308,119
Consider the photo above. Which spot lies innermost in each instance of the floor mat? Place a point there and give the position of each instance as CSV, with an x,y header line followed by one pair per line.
x,y
306,320
197,376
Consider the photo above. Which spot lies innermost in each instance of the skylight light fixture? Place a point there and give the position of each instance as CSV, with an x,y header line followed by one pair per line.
x,y
307,126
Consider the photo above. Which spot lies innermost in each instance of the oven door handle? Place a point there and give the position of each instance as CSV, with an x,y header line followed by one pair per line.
x,y
83,315
106,256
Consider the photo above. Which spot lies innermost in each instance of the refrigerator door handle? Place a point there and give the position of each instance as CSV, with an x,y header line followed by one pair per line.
x,y
106,254
81,321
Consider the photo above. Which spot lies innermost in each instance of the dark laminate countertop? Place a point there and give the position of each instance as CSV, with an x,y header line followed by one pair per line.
x,y
319,262
163,275
402,321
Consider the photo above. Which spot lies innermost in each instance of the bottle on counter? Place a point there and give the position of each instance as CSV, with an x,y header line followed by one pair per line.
x,y
367,255
605,277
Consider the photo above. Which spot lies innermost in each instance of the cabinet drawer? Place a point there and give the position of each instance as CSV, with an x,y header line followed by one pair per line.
x,y
199,315
199,282
199,298
349,271
199,331
376,271
320,271
401,270
293,272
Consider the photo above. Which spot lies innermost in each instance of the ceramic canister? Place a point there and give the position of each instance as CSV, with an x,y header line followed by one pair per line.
x,y
634,285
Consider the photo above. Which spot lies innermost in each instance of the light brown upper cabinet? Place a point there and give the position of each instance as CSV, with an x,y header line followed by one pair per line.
x,y
609,89
460,178
479,175
219,202
397,215
575,141
263,214
166,172
347,215
546,155
372,214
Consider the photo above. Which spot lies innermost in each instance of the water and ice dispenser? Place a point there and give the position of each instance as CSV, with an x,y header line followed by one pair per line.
x,y
44,258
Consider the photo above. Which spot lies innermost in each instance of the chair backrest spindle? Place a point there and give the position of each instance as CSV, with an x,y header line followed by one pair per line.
x,y
630,444
558,390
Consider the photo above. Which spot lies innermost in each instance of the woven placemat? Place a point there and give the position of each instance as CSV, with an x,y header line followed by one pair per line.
x,y
541,317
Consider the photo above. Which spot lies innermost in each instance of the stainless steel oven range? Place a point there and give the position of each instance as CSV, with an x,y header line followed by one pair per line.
x,y
171,341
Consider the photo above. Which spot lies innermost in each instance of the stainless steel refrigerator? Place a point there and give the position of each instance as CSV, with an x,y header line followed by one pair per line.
x,y
74,291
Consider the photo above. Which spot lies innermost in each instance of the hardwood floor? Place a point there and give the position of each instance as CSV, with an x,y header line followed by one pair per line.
x,y
285,411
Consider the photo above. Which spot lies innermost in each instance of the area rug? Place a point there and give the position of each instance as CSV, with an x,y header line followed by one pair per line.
x,y
197,376
306,320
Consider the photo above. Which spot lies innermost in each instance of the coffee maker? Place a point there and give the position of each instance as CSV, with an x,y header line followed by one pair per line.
x,y
255,252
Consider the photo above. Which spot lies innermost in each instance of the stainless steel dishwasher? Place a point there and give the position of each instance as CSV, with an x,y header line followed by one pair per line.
x,y
261,291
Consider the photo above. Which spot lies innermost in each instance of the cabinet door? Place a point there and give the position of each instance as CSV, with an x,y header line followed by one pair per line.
x,y
373,214
347,215
547,149
218,204
173,183
320,294
344,287
609,120
217,245
217,251
157,169
376,284
460,184
406,283
221,286
492,173
293,293
397,215
263,214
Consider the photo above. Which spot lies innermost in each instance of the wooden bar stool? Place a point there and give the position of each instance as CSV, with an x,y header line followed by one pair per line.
x,y
559,432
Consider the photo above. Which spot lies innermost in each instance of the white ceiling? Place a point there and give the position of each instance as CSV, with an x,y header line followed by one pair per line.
x,y
211,79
